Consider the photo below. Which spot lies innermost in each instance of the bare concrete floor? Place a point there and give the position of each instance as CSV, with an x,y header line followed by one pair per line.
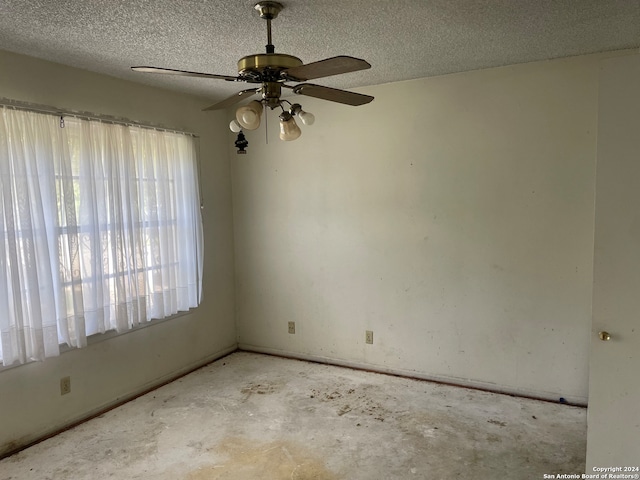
x,y
251,416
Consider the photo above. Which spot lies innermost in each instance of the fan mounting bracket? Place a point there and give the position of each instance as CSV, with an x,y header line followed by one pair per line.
x,y
268,10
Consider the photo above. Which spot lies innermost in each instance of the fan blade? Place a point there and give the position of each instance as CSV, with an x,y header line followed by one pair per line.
x,y
325,68
233,99
184,73
332,94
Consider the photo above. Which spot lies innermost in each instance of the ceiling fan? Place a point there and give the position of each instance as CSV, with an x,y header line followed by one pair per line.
x,y
271,71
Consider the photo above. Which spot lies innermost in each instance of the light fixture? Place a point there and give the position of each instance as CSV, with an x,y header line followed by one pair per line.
x,y
305,117
289,129
248,116
234,126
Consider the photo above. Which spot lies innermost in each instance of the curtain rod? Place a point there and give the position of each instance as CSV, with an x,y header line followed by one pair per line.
x,y
48,110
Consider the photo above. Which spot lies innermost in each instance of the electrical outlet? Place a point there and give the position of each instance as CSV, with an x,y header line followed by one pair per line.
x,y
368,337
65,385
292,327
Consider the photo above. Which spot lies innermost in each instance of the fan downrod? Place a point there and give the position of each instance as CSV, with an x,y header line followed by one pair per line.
x,y
269,10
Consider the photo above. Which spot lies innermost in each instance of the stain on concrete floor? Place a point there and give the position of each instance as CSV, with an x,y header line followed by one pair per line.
x,y
278,460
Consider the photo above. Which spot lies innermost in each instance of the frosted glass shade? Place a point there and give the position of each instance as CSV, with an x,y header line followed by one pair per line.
x,y
234,126
248,116
289,129
306,118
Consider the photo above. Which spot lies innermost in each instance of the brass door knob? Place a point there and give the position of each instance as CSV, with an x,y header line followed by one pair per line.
x,y
604,336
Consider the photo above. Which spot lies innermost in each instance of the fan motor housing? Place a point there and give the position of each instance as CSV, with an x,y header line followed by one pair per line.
x,y
269,64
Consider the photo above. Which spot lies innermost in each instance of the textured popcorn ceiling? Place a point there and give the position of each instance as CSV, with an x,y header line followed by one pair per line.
x,y
402,39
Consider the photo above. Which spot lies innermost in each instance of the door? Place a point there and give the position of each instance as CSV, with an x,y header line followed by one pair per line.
x,y
613,438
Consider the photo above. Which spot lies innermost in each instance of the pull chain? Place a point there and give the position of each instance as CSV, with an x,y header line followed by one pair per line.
x,y
266,127
61,122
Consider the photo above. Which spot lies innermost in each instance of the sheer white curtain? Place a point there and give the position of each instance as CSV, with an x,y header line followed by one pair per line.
x,y
102,230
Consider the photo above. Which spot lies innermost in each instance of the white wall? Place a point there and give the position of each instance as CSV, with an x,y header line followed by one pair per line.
x,y
453,216
103,373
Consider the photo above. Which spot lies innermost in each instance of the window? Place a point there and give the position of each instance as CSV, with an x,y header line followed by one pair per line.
x,y
101,230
